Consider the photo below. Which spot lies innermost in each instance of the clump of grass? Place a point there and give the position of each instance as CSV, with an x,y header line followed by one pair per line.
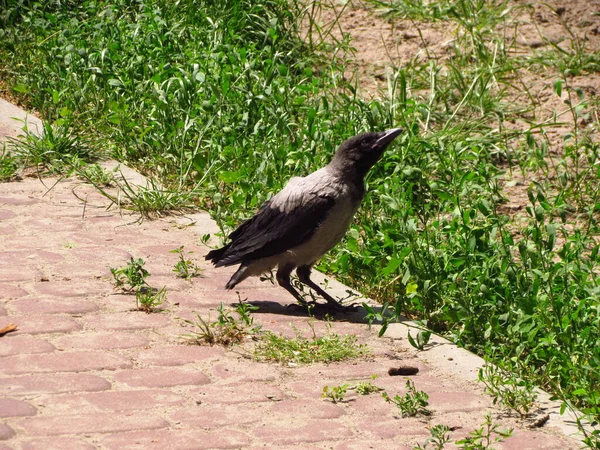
x,y
132,279
439,438
8,166
185,268
514,394
482,438
335,394
330,347
149,299
226,330
132,276
411,404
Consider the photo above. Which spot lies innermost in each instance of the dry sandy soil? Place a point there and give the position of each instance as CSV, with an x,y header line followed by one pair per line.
x,y
383,42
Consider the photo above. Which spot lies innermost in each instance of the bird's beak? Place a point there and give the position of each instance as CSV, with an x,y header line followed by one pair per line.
x,y
388,137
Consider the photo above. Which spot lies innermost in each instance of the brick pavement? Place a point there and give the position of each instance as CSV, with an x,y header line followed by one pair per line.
x,y
85,370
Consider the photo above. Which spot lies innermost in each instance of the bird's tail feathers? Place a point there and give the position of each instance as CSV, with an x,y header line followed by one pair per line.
x,y
214,256
237,277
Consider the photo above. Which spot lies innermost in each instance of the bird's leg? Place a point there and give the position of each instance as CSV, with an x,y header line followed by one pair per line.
x,y
304,277
283,278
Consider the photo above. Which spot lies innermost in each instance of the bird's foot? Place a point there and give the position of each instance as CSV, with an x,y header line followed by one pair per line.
x,y
335,306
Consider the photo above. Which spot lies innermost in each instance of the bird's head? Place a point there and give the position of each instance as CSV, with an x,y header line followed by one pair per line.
x,y
361,152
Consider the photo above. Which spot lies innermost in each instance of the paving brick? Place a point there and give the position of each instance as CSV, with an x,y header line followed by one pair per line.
x,y
533,440
6,214
71,287
178,355
90,423
130,320
176,440
57,443
2,311
19,258
441,402
313,431
245,371
10,291
101,340
370,444
310,409
51,306
209,416
41,324
10,407
109,401
55,384
64,362
394,428
6,432
236,393
18,200
20,345
154,377
5,447
18,273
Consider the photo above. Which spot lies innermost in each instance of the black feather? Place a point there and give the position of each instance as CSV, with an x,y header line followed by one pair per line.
x,y
271,232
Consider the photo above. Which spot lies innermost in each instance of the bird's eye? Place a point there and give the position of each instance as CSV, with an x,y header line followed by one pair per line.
x,y
364,142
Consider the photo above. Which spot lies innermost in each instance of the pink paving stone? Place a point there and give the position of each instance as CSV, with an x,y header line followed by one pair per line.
x,y
313,431
57,443
9,291
64,362
101,256
15,345
55,384
178,355
393,428
371,444
18,273
455,401
77,287
45,223
130,320
6,214
532,440
176,440
5,447
247,371
41,324
2,311
216,416
6,432
5,230
162,377
90,423
9,407
101,341
18,200
30,257
51,306
312,409
109,401
236,393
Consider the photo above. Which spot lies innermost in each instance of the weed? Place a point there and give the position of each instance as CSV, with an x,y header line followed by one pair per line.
x,y
327,348
149,299
185,268
439,437
421,341
514,394
336,393
8,166
226,329
482,438
366,388
131,277
97,175
411,404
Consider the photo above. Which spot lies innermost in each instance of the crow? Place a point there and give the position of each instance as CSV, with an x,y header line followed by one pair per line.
x,y
305,220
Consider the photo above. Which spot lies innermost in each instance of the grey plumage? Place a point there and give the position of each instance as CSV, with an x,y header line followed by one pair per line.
x,y
306,219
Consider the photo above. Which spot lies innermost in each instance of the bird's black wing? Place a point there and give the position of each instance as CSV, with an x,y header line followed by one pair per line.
x,y
273,230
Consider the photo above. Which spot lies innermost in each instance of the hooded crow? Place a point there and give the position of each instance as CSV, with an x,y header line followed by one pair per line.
x,y
305,220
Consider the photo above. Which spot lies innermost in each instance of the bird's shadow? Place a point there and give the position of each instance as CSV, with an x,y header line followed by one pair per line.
x,y
354,315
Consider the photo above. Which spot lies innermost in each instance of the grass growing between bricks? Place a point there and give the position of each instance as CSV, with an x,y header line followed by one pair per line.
x,y
220,103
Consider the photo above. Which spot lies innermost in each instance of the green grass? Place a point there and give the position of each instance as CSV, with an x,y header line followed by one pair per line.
x,y
220,103
330,347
